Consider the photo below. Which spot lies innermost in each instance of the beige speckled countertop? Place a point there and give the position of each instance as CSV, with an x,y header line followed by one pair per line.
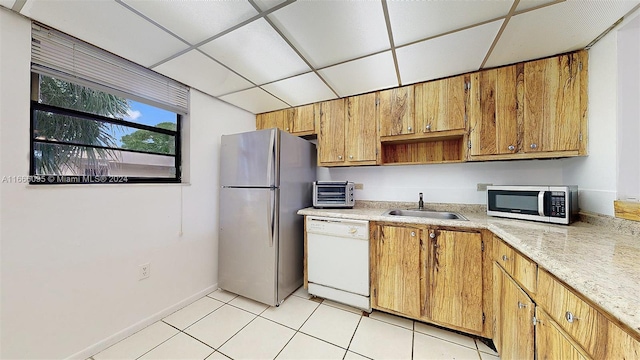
x,y
600,262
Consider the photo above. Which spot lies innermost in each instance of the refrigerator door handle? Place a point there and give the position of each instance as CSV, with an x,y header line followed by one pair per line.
x,y
271,213
270,160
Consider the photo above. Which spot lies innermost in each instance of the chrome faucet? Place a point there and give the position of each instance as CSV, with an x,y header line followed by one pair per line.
x,y
420,203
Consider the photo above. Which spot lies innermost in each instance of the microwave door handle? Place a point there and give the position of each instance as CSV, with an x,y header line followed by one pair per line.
x,y
541,203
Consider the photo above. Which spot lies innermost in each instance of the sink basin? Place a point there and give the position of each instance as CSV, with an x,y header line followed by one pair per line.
x,y
440,215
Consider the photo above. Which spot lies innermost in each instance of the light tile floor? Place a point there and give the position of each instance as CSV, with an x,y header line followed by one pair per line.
x,y
222,325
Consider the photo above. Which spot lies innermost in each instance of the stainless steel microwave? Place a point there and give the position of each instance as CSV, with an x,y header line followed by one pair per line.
x,y
333,194
552,204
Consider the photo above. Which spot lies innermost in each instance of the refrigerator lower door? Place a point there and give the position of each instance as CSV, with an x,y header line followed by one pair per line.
x,y
248,243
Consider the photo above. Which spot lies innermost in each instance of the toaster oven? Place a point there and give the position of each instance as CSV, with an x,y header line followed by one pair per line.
x,y
333,194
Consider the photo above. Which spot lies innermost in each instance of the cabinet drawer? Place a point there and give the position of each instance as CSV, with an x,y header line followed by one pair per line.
x,y
579,319
520,268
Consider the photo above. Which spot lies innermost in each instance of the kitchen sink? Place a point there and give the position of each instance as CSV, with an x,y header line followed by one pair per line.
x,y
440,215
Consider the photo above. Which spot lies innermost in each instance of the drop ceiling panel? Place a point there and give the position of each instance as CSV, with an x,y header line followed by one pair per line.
x,y
195,21
196,69
267,4
447,55
300,90
7,3
328,32
257,52
107,25
417,20
555,29
254,100
363,75
529,4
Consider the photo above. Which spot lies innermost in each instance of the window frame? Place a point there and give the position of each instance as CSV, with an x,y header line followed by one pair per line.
x,y
51,179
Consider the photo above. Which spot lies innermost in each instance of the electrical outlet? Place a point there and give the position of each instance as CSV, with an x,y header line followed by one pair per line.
x,y
359,186
144,271
482,187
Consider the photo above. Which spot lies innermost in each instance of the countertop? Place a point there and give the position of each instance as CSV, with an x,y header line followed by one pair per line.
x,y
601,263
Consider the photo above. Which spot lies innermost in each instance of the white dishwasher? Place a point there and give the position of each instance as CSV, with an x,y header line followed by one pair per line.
x,y
338,260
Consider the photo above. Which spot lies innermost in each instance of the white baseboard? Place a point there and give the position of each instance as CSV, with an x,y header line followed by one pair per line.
x,y
103,344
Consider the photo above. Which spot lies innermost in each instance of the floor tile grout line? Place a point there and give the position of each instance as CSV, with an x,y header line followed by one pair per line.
x,y
174,335
413,342
236,333
450,341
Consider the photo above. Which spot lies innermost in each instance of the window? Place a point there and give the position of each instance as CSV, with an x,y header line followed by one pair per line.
x,y
82,135
98,118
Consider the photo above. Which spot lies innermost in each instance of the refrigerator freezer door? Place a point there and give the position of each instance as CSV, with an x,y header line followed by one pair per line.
x,y
248,243
249,159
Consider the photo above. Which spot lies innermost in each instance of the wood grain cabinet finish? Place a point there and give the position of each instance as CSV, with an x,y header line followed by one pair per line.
x,y
361,129
523,270
396,111
513,313
275,119
429,274
552,343
397,259
299,121
331,133
441,105
455,295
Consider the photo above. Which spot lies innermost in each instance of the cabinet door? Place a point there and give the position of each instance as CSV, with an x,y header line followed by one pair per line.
x,y
396,111
303,119
440,104
275,119
493,127
513,311
331,134
455,295
552,111
551,342
361,137
397,259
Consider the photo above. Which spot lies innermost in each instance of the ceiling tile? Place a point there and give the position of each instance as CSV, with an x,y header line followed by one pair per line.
x,y
328,32
528,4
254,100
196,69
108,25
265,5
7,3
555,29
257,52
452,54
417,20
363,75
300,90
195,21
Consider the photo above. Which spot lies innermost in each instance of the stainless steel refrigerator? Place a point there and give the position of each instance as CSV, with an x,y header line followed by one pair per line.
x,y
266,176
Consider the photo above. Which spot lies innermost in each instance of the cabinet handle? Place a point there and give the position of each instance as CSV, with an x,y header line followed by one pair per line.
x,y
570,317
521,305
413,233
505,258
409,128
511,148
287,129
339,157
428,127
534,146
350,156
432,235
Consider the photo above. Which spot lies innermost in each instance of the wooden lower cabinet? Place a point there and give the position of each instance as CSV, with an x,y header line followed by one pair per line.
x,y
513,313
552,343
398,255
429,274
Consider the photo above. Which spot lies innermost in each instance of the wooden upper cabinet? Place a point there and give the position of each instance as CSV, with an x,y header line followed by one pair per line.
x,y
455,295
553,111
397,257
552,343
275,119
331,135
396,111
361,137
303,119
440,105
513,311
493,115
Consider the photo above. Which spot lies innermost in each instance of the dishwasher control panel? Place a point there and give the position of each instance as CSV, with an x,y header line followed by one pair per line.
x,y
358,229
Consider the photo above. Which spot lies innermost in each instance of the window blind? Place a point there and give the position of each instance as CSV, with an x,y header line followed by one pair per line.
x,y
62,56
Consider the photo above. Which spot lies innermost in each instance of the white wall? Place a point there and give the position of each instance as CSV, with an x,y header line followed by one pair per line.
x,y
69,254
